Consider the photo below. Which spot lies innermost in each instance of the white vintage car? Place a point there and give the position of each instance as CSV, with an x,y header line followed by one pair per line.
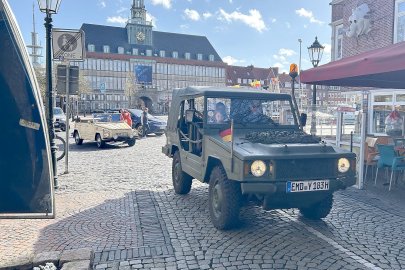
x,y
102,128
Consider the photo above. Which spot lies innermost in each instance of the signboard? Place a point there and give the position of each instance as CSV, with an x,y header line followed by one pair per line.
x,y
73,80
68,45
143,74
26,179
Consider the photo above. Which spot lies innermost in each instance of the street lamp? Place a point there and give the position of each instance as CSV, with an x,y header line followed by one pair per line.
x,y
315,55
50,7
299,77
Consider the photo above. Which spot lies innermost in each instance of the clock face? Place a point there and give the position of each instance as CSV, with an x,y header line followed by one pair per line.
x,y
140,36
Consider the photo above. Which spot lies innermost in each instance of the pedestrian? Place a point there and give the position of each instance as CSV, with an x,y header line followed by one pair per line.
x,y
126,116
144,122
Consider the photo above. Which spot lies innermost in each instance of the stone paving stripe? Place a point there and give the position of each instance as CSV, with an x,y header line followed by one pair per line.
x,y
332,242
144,252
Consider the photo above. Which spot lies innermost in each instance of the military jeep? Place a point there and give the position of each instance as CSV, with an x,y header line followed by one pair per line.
x,y
249,145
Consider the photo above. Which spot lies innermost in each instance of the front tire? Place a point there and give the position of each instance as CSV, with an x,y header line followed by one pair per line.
x,y
100,142
140,131
224,199
181,180
131,142
318,210
78,141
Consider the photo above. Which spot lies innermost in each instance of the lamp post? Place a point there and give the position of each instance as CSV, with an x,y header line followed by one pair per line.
x,y
299,73
50,7
315,55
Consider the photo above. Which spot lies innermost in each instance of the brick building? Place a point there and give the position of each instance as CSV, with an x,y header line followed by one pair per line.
x,y
361,26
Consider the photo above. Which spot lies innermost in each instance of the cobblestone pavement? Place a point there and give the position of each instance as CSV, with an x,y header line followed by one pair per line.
x,y
119,201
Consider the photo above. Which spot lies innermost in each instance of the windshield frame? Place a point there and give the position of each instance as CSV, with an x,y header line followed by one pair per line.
x,y
249,125
97,119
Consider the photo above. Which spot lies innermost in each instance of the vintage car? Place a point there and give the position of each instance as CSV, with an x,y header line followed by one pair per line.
x,y
102,128
231,139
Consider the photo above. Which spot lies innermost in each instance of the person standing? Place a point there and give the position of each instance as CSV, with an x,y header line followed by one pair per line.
x,y
126,116
144,121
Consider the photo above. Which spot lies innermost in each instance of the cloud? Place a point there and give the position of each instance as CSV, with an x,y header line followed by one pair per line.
x,y
282,58
280,66
253,20
302,12
328,48
207,15
192,14
273,20
231,61
102,4
165,3
288,25
117,20
286,52
151,18
122,9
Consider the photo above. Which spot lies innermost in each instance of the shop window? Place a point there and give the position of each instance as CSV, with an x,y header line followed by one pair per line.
x,y
400,97
383,98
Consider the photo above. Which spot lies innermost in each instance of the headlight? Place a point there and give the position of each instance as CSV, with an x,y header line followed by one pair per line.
x,y
343,165
258,168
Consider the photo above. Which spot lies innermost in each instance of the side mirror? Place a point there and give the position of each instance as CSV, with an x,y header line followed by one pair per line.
x,y
189,116
303,119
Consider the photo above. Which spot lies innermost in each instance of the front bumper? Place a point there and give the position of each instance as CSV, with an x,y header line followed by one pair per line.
x,y
274,194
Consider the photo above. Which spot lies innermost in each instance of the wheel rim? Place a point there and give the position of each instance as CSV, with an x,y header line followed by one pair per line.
x,y
140,131
217,200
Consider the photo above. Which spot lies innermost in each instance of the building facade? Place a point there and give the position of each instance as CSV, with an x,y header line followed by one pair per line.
x,y
136,66
361,26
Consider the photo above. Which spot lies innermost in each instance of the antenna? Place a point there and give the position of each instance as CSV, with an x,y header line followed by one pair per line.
x,y
35,47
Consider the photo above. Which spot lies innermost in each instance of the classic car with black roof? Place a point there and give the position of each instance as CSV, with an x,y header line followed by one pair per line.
x,y
249,145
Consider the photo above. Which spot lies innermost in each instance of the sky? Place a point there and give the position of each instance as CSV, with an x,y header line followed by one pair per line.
x,y
262,33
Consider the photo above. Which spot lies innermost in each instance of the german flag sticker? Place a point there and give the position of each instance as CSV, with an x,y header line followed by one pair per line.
x,y
226,135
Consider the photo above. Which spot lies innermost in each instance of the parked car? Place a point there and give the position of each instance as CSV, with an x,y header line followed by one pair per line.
x,y
102,128
59,118
225,137
156,125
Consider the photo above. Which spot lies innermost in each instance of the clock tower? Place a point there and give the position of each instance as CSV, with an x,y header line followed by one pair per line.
x,y
139,30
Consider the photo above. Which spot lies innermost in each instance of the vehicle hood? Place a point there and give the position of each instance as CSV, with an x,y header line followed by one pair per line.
x,y
60,117
246,150
114,126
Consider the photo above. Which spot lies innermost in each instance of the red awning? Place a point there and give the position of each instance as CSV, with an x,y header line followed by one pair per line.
x,y
383,68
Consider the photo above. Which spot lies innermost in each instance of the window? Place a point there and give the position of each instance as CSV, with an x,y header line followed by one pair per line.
x,y
399,27
135,51
162,53
106,49
175,54
187,55
338,42
211,57
120,50
199,56
148,52
91,48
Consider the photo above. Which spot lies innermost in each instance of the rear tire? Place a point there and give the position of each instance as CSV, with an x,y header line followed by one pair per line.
x,y
140,131
78,141
318,210
100,142
225,199
181,180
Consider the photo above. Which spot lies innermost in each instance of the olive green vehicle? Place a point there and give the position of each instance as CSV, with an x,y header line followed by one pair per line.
x,y
249,145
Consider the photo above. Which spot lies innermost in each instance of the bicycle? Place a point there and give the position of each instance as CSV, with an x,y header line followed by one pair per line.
x,y
60,143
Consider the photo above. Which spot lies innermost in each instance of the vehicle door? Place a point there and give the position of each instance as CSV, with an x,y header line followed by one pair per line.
x,y
191,136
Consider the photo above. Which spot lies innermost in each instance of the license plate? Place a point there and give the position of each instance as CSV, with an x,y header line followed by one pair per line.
x,y
304,186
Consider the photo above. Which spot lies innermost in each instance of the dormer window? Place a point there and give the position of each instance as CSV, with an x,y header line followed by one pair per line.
x,y
199,56
211,57
91,47
162,54
120,50
148,52
175,55
106,49
187,55
135,51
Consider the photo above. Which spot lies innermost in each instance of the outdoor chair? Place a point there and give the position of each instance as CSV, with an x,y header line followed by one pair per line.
x,y
371,156
389,159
